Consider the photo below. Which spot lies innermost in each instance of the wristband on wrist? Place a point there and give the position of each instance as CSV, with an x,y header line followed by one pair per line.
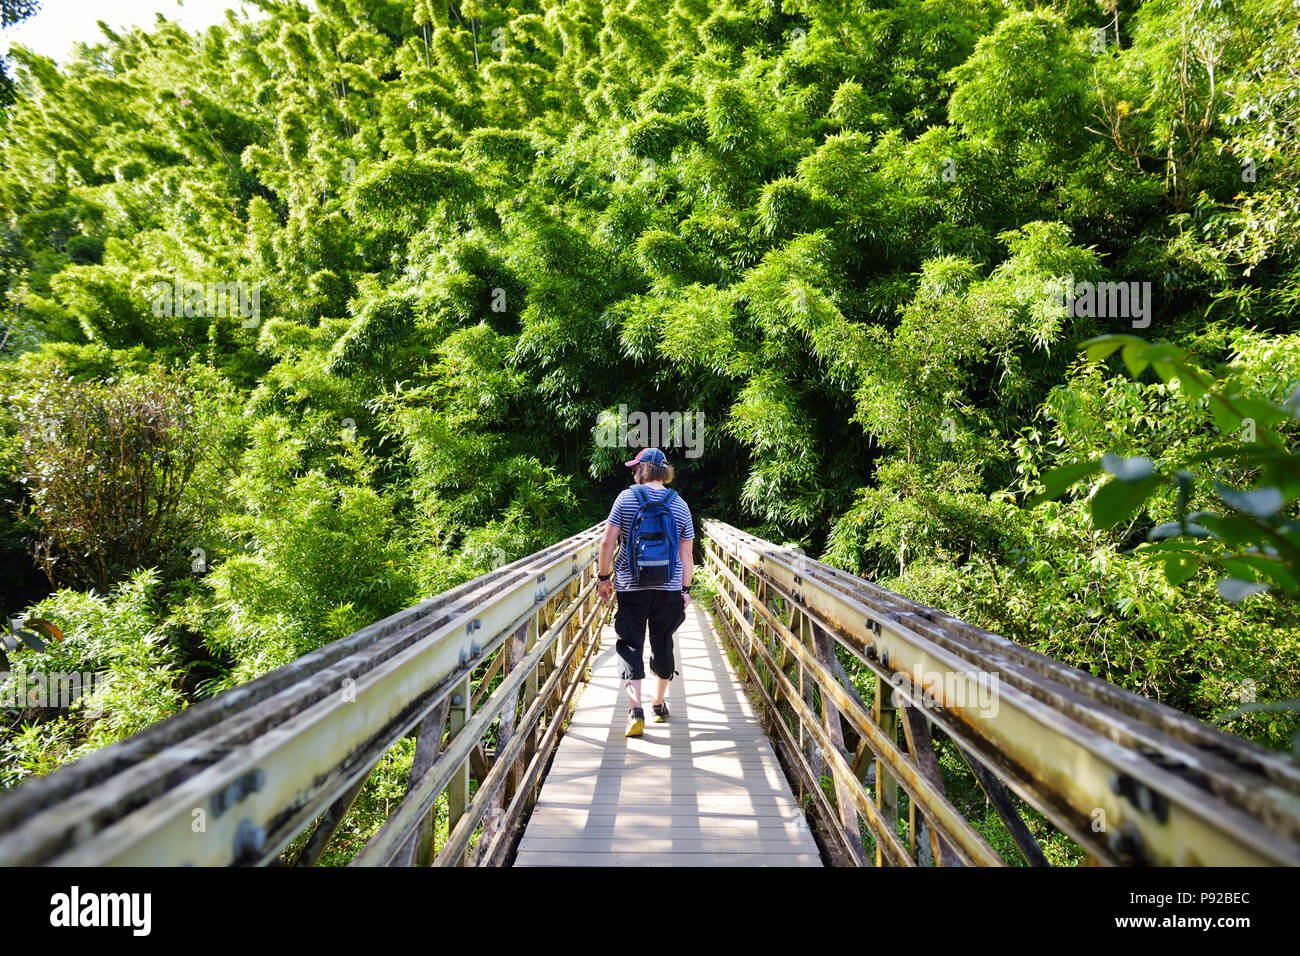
x,y
603,577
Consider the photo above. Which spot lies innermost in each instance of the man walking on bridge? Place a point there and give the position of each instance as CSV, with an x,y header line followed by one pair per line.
x,y
652,575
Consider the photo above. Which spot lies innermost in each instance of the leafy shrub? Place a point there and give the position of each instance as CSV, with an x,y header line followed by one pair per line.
x,y
124,640
107,465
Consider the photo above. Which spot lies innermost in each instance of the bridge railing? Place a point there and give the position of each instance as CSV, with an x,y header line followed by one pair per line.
x,y
1129,781
236,779
484,674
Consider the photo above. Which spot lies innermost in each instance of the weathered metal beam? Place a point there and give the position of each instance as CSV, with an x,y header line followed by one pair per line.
x,y
1006,809
919,742
375,641
458,786
427,747
511,654
328,825
825,650
885,716
485,682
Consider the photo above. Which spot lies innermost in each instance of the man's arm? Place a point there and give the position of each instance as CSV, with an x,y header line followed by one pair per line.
x,y
606,564
686,557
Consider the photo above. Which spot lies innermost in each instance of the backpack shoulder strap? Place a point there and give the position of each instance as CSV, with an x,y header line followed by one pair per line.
x,y
639,493
668,497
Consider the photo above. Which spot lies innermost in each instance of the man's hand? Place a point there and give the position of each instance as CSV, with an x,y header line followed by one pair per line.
x,y
686,599
606,590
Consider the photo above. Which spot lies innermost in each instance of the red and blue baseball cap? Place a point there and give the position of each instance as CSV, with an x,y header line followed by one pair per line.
x,y
651,456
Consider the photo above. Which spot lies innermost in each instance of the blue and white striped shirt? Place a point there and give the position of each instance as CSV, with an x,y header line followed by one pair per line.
x,y
624,513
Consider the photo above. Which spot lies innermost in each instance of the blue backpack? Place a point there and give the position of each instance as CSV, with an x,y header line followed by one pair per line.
x,y
652,542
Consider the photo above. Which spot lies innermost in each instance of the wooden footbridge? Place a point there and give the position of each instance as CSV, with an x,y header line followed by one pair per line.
x,y
818,719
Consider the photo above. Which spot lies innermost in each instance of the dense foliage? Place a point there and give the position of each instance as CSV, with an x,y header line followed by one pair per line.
x,y
363,280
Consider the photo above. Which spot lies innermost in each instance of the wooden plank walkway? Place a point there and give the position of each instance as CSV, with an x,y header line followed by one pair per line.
x,y
703,789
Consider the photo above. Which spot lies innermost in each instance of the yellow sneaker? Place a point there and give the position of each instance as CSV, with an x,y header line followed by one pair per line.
x,y
635,723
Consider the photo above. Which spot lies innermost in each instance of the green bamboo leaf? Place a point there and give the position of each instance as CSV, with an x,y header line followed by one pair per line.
x,y
1058,480
1102,347
1118,500
1225,418
1179,568
1165,371
1134,358
1189,380
1262,413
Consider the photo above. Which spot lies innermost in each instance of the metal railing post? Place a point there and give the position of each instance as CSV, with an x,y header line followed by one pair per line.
x,y
458,789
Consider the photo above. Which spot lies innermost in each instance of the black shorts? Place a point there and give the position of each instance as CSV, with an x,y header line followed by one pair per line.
x,y
659,610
